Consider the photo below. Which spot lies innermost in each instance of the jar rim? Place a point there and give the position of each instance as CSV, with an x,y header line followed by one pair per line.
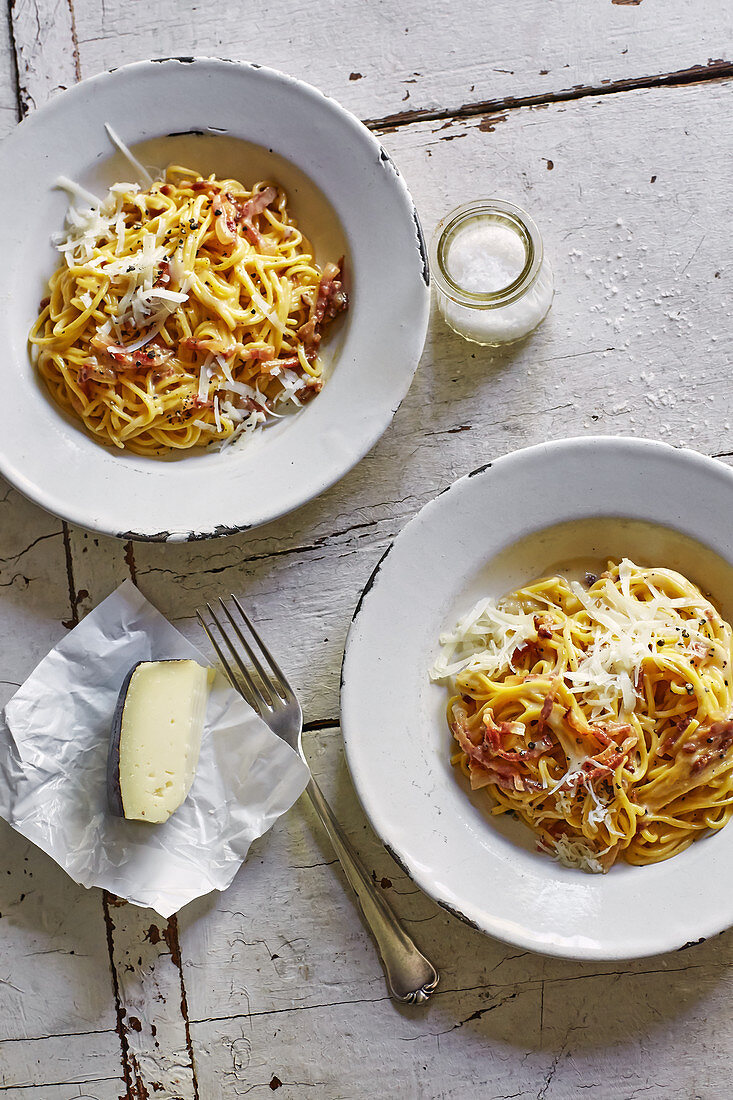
x,y
505,212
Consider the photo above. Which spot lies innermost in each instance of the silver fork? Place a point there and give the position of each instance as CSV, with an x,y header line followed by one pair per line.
x,y
410,976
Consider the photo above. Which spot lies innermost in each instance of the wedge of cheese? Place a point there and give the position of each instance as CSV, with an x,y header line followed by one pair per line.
x,y
156,737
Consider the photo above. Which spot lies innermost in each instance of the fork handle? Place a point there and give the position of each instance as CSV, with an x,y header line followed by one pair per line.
x,y
410,976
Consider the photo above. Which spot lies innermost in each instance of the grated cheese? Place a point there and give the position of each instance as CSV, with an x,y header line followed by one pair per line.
x,y
483,640
116,140
204,376
92,223
576,853
624,627
626,630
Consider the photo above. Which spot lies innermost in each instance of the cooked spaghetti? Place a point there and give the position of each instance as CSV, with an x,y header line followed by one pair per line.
x,y
600,714
183,314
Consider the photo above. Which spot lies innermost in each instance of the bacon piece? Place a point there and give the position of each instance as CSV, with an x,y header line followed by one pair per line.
x,y
291,362
496,731
151,355
716,740
164,274
225,218
258,203
249,210
530,650
608,734
209,344
196,343
263,354
611,756
310,389
204,185
331,300
487,761
546,709
230,215
680,723
604,762
542,626
92,371
249,404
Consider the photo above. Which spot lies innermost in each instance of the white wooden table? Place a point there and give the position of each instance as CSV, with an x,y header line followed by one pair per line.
x,y
610,121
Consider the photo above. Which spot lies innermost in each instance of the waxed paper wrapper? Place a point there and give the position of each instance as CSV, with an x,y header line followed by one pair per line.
x,y
54,741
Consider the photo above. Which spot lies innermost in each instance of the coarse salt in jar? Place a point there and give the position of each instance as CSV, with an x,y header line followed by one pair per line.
x,y
493,283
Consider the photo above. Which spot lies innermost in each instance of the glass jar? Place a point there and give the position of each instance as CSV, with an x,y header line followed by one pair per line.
x,y
493,283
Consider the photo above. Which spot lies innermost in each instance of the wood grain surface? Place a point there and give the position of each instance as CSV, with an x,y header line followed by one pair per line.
x,y
610,123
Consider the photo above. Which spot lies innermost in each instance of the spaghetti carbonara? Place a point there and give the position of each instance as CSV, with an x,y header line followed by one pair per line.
x,y
184,313
600,714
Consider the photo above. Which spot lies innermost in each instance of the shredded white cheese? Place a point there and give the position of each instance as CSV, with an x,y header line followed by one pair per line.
x,y
204,376
93,223
576,853
116,140
626,630
483,641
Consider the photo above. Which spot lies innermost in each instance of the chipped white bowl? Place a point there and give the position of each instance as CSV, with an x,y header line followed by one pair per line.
x,y
235,119
506,523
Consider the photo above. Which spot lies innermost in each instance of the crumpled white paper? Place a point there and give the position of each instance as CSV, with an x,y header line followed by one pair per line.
x,y
54,741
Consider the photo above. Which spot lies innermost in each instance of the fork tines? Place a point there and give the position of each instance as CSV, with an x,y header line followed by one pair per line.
x,y
262,689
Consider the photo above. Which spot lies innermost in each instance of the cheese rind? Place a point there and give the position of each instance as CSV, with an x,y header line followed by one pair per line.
x,y
156,737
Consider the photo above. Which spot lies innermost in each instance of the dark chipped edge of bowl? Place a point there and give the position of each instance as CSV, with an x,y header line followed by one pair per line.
x,y
387,161
220,531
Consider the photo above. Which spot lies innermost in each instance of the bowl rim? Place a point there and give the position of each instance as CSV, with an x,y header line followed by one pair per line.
x,y
76,511
659,940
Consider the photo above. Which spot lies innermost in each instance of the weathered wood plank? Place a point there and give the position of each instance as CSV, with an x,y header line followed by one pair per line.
x,y
363,1049
44,37
155,1039
69,1064
397,57
488,1043
8,89
54,976
54,968
34,585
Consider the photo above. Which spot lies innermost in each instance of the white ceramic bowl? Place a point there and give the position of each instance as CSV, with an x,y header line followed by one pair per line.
x,y
248,122
509,522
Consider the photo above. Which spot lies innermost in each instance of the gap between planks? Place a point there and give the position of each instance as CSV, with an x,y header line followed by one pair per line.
x,y
714,71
